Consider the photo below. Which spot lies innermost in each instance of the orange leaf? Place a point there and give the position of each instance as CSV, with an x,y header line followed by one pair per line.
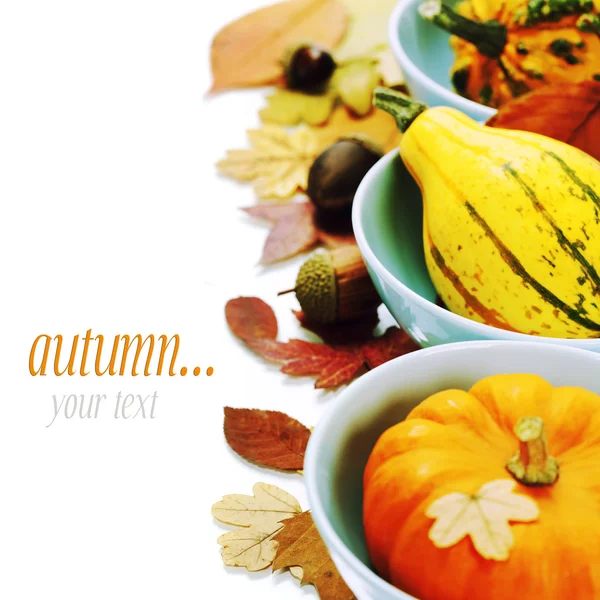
x,y
267,437
567,112
378,125
251,318
300,545
248,51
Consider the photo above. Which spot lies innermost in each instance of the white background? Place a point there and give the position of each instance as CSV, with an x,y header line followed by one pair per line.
x,y
113,218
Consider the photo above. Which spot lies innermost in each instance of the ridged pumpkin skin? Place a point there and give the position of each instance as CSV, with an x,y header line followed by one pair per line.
x,y
456,441
528,59
511,225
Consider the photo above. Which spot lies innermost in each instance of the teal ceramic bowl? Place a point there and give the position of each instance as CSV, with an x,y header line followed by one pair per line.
x,y
342,441
425,57
387,221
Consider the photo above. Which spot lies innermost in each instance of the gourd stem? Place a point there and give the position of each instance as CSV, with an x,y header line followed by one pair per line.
x,y
401,107
532,465
489,37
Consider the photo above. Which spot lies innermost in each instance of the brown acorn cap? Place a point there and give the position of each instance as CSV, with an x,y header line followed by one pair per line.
x,y
334,286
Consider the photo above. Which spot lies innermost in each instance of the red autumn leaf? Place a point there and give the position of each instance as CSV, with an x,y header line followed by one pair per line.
x,y
566,112
295,230
394,342
332,364
267,437
251,319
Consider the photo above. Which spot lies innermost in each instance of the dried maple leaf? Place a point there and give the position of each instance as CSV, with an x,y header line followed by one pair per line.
x,y
257,323
253,547
300,545
566,112
278,162
333,365
248,51
484,516
295,230
267,437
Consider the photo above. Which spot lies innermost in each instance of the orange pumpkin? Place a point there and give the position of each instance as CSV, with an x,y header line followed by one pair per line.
x,y
457,441
504,50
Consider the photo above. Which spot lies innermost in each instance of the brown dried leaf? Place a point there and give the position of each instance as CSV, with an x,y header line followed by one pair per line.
x,y
567,112
300,545
267,437
278,162
248,51
251,318
294,230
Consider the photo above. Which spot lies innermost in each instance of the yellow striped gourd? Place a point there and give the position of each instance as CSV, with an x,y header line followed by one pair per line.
x,y
511,224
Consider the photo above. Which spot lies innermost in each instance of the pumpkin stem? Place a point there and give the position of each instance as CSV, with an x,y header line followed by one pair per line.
x,y
401,107
532,464
489,37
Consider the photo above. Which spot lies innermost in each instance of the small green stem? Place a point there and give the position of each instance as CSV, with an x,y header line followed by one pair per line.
x,y
489,37
532,465
401,107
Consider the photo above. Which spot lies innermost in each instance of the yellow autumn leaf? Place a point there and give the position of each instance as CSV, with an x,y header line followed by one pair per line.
x,y
278,162
251,548
287,107
259,515
367,32
354,82
389,69
265,508
484,516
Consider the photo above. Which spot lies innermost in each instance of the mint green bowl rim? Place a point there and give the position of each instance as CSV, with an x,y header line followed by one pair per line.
x,y
480,330
408,66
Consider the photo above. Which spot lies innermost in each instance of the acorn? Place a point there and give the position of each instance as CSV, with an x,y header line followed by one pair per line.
x,y
307,67
334,177
334,286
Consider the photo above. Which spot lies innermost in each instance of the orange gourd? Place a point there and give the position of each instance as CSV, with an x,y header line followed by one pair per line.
x,y
456,441
504,50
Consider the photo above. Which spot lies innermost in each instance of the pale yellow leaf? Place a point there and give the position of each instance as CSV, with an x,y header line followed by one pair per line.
x,y
278,162
354,83
484,516
368,27
287,107
251,548
297,572
262,512
389,68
